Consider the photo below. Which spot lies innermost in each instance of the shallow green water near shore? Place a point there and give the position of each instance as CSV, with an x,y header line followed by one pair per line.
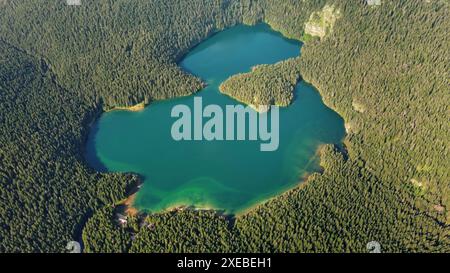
x,y
227,175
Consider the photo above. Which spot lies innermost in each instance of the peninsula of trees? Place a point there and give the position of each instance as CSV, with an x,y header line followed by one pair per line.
x,y
265,84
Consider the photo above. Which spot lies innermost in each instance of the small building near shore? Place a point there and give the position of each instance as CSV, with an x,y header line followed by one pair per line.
x,y
121,219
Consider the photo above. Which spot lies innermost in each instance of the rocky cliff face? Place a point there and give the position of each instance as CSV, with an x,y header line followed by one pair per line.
x,y
321,23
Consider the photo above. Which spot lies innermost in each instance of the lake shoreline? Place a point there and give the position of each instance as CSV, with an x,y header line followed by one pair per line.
x,y
130,210
134,108
265,108
130,201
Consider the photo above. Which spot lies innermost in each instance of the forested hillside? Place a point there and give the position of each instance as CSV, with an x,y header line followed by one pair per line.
x,y
389,77
116,52
385,69
46,191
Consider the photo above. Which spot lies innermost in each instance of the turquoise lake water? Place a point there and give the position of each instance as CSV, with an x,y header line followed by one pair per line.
x,y
225,175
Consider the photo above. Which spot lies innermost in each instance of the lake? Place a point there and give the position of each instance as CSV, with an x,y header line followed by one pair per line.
x,y
226,175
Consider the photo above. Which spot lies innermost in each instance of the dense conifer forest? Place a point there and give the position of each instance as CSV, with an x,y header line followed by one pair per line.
x,y
384,68
265,84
